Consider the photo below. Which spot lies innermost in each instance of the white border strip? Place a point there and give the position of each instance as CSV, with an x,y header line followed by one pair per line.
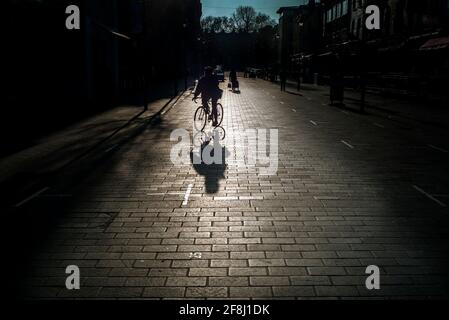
x,y
437,148
34,195
347,144
187,195
429,196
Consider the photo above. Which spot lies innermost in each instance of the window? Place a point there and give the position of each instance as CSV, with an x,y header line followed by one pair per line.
x,y
334,12
345,7
338,9
359,28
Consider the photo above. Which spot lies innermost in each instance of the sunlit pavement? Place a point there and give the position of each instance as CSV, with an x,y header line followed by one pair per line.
x,y
349,191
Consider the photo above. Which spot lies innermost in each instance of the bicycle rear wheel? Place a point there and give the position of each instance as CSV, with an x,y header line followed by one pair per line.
x,y
200,119
220,114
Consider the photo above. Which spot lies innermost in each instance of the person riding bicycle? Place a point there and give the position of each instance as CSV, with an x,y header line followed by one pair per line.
x,y
208,87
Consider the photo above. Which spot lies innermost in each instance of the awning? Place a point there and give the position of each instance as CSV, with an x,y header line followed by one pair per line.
x,y
435,44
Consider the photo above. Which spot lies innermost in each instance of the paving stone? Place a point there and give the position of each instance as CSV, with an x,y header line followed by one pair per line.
x,y
186,281
250,292
228,281
308,231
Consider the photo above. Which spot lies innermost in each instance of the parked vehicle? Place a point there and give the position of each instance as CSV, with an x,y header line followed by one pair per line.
x,y
252,73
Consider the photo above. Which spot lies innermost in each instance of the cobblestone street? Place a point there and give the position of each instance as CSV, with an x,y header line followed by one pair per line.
x,y
350,191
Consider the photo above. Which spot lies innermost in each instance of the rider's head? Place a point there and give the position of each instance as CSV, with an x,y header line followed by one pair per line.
x,y
208,71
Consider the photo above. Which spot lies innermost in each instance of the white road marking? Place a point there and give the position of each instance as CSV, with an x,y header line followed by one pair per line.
x,y
225,198
437,148
313,122
282,102
326,198
429,196
347,144
166,194
250,198
111,148
34,195
187,195
379,125
294,110
345,112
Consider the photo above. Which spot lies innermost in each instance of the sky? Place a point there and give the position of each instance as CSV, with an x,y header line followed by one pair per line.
x,y
227,7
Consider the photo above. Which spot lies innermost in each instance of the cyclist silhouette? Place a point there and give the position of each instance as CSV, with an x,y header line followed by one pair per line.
x,y
208,87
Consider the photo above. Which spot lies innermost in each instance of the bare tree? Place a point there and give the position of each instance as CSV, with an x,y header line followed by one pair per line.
x,y
263,20
244,18
217,24
207,24
228,24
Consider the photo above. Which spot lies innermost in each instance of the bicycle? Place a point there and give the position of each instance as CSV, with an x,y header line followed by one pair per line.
x,y
203,115
202,137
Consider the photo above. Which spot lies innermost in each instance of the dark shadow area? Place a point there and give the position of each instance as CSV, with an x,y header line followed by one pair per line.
x,y
294,93
38,219
111,60
24,183
214,172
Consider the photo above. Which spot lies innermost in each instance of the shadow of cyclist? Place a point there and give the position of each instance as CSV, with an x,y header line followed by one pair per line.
x,y
210,161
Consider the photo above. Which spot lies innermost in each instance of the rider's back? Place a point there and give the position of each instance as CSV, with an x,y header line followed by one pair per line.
x,y
208,85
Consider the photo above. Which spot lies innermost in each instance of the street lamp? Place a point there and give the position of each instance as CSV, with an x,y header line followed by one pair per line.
x,y
300,55
185,54
143,44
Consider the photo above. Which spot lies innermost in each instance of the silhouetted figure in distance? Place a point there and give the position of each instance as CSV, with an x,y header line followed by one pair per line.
x,y
233,79
283,78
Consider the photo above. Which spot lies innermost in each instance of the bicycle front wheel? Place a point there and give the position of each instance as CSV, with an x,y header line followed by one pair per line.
x,y
219,133
220,114
200,119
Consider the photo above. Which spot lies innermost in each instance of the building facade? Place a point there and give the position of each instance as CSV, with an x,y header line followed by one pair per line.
x,y
121,45
288,36
336,21
301,38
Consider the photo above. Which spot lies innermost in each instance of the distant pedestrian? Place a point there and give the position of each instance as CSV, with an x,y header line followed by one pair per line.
x,y
233,80
298,87
283,78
